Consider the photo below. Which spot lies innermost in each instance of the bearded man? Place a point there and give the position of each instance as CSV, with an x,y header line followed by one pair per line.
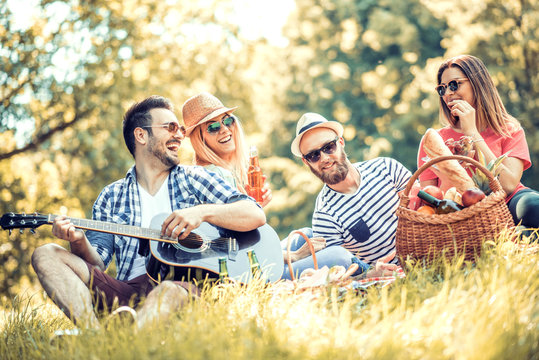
x,y
355,209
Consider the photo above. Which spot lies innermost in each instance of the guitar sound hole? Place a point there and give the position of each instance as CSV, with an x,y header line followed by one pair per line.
x,y
193,241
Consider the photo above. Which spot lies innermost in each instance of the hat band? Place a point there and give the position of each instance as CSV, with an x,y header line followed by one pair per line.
x,y
305,128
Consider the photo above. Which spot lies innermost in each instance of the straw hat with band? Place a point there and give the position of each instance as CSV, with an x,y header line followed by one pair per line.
x,y
202,108
311,121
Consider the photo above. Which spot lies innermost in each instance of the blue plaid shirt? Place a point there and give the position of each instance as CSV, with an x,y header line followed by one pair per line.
x,y
119,203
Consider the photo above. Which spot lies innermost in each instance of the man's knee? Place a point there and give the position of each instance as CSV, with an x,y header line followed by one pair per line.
x,y
166,286
169,289
46,253
168,294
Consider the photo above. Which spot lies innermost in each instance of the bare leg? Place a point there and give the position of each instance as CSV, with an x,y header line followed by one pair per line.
x,y
65,278
162,302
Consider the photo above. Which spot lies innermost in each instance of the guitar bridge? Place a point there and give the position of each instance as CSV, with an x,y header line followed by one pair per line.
x,y
232,248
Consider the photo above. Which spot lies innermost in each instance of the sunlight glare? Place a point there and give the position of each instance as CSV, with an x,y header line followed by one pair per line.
x,y
266,19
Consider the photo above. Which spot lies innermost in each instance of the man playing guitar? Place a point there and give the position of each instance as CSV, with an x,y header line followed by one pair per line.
x,y
76,279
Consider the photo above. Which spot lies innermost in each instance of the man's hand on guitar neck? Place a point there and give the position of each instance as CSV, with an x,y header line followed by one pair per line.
x,y
63,229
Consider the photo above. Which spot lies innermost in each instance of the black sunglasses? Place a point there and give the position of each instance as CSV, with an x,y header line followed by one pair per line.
x,y
227,120
453,85
172,127
328,148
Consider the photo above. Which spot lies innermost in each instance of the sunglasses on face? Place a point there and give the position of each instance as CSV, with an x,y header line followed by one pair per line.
x,y
215,127
453,85
328,148
172,127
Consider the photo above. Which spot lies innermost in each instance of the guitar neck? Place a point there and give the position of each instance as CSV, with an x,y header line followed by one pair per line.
x,y
117,229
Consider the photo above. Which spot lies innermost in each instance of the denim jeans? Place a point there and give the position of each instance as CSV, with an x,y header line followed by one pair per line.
x,y
329,256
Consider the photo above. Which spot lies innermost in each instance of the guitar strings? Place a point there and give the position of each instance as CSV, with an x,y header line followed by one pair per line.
x,y
192,239
218,243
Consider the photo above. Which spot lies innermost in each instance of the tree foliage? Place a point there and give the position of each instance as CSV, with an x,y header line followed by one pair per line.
x,y
68,74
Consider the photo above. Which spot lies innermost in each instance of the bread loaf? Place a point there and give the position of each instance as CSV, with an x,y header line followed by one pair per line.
x,y
451,172
454,195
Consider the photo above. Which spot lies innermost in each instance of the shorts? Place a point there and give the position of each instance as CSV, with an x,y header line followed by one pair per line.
x,y
108,291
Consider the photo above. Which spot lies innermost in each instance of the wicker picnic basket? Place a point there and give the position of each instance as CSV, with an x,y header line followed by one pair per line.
x,y
424,237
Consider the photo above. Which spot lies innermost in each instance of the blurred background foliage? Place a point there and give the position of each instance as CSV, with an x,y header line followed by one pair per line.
x,y
69,72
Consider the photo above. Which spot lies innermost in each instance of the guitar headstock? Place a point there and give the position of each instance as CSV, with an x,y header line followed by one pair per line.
x,y
11,221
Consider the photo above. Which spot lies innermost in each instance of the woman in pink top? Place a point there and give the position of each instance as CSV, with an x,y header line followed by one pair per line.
x,y
471,106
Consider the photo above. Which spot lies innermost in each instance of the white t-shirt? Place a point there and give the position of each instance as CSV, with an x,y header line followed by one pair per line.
x,y
150,206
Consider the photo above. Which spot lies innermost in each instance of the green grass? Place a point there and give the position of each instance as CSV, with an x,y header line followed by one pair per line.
x,y
489,310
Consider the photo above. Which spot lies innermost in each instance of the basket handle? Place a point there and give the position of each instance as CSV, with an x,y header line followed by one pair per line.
x,y
494,184
311,247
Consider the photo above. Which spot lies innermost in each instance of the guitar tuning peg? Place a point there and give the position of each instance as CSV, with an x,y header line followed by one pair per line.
x,y
21,231
33,231
10,231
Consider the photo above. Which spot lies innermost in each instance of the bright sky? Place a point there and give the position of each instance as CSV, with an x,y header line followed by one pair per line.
x,y
264,18
257,18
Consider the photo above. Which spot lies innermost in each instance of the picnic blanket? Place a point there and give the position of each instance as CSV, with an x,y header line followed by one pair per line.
x,y
321,279
363,284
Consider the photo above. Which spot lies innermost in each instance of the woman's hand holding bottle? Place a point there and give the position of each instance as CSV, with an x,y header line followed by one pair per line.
x,y
265,192
257,186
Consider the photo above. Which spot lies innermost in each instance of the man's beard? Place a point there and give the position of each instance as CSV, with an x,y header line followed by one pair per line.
x,y
336,175
166,159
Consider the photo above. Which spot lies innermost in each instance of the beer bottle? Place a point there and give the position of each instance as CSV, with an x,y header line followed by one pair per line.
x,y
255,265
223,270
254,176
444,206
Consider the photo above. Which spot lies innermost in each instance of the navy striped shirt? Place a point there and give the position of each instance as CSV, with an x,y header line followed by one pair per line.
x,y
119,203
364,222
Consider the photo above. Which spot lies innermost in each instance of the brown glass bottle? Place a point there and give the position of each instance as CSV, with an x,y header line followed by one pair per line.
x,y
254,176
444,206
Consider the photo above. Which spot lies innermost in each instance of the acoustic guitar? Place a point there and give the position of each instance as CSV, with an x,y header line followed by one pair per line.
x,y
201,249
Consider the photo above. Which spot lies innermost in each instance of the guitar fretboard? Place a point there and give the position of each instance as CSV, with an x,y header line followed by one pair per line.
x,y
118,229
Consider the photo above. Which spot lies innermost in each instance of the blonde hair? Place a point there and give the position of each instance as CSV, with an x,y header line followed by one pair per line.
x,y
490,111
204,155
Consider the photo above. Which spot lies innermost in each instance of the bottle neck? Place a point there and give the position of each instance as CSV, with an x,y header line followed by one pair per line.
x,y
253,160
428,198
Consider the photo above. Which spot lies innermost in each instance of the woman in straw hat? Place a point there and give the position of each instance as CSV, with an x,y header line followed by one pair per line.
x,y
218,140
